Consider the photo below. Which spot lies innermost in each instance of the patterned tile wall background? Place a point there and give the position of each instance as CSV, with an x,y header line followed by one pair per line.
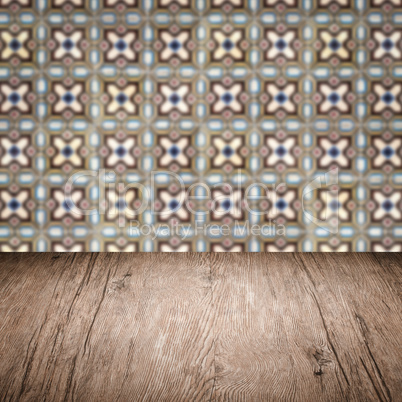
x,y
300,96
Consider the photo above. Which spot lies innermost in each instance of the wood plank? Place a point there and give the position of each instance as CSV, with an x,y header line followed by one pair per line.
x,y
107,327
200,326
307,327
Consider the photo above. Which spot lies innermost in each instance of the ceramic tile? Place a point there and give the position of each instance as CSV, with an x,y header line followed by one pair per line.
x,y
206,125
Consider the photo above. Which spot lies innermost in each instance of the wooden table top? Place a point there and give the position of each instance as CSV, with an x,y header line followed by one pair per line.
x,y
200,326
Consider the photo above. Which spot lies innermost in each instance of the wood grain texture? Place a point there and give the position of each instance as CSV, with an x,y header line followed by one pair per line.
x,y
200,327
